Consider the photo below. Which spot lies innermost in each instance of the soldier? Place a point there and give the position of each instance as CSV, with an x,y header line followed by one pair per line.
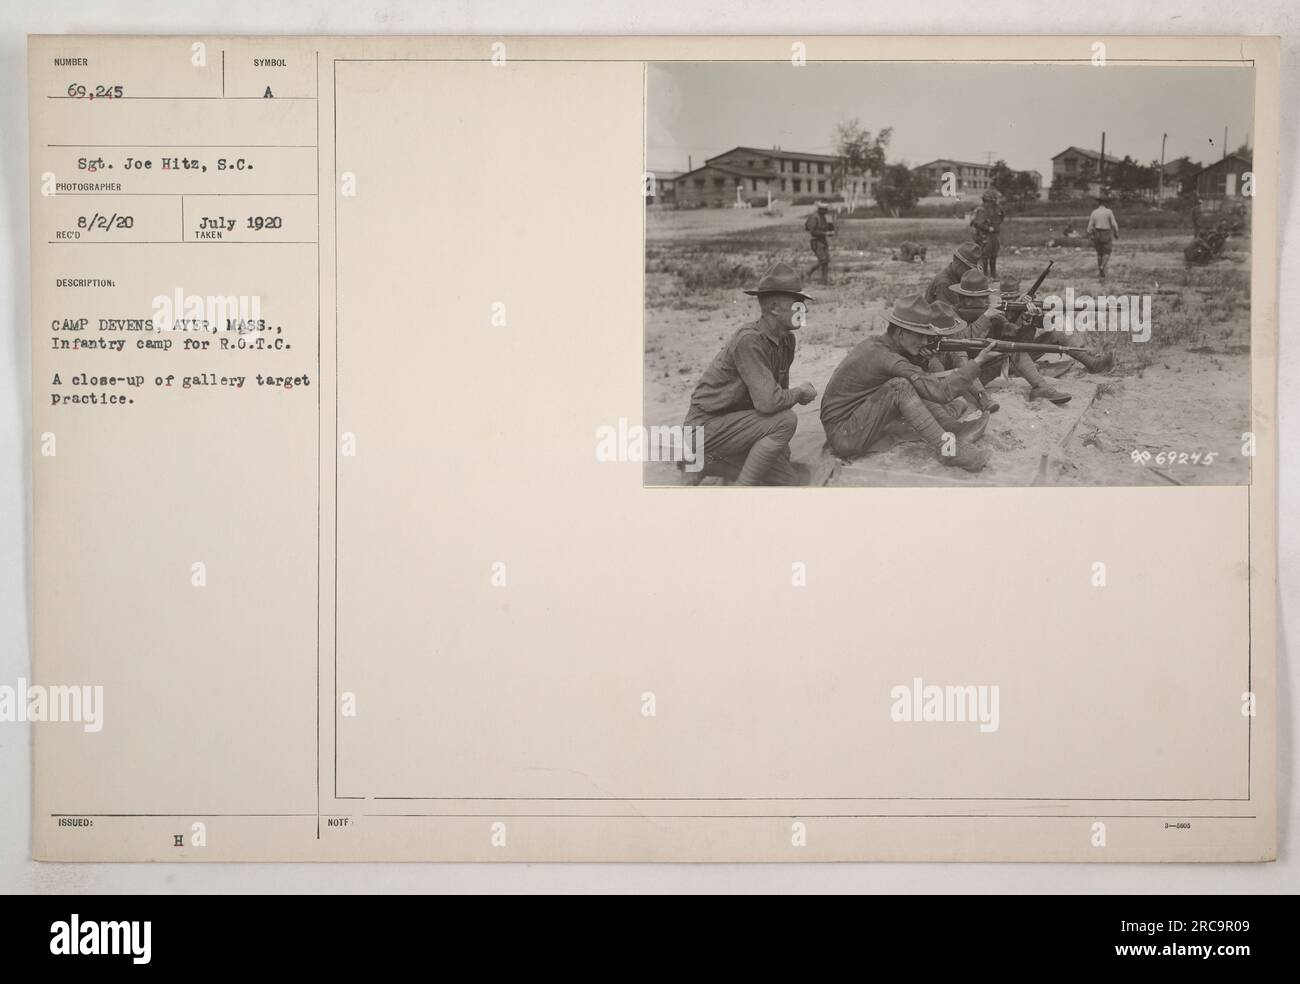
x,y
986,224
743,400
966,257
983,322
819,225
886,378
1102,229
1010,293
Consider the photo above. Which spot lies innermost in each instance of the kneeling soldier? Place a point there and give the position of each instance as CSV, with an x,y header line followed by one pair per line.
x,y
743,400
884,378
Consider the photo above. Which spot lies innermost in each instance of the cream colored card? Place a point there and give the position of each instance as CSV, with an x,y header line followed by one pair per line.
x,y
344,548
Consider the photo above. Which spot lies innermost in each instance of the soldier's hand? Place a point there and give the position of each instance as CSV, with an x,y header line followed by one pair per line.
x,y
986,355
805,393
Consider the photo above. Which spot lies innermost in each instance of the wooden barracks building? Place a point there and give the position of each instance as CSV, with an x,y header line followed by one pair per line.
x,y
751,173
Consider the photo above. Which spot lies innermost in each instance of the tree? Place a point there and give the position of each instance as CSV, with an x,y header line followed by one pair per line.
x,y
1013,186
898,189
1131,180
1087,174
860,154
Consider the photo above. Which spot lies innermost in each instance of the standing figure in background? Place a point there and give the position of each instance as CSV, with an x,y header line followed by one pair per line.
x,y
986,224
1102,230
819,226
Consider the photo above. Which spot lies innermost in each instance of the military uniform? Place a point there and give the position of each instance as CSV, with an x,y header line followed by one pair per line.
x,y
939,288
987,226
866,390
966,256
743,400
818,226
882,381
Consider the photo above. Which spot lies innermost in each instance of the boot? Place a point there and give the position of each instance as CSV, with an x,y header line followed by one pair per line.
x,y
1046,392
970,431
1093,362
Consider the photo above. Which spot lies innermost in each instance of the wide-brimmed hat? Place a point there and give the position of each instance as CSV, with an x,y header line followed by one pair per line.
x,y
1009,287
915,313
781,279
972,284
823,204
943,318
990,195
968,253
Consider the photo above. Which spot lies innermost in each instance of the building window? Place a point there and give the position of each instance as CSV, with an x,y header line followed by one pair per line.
x,y
753,182
821,185
821,168
699,183
797,184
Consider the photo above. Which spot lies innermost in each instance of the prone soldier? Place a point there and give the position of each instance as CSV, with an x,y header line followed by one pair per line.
x,y
909,251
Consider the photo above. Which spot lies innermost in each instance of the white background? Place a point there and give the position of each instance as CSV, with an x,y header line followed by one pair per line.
x,y
18,873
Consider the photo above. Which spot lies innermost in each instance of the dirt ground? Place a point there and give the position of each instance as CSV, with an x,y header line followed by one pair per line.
x,y
1185,392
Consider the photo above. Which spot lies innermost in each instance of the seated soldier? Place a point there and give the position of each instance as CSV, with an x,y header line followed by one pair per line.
x,y
981,322
885,378
1009,290
966,257
743,400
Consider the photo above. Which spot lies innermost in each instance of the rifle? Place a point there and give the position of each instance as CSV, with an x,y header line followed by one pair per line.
x,y
975,346
1014,310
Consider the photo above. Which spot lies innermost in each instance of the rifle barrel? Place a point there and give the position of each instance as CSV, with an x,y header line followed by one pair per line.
x,y
1041,277
999,345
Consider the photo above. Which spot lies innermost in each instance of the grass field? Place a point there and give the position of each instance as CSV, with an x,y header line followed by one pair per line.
x,y
1186,390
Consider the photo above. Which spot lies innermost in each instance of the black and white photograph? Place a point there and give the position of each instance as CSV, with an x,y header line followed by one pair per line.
x,y
939,274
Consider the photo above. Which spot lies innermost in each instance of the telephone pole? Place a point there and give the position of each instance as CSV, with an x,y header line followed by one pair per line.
x,y
1160,194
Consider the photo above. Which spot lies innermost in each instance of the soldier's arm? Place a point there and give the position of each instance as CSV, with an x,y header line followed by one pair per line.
x,y
933,387
767,394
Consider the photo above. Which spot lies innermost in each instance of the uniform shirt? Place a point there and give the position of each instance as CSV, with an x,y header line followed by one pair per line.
x,y
938,288
1102,223
876,361
752,372
990,324
986,221
818,225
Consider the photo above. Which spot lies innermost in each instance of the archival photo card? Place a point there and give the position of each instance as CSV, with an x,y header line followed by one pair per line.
x,y
365,372
856,277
